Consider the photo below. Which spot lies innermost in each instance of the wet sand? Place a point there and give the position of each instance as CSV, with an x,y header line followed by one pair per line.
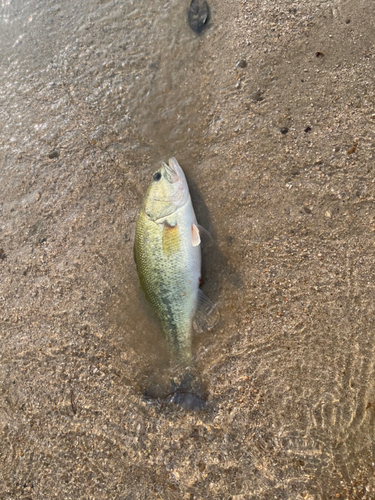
x,y
279,154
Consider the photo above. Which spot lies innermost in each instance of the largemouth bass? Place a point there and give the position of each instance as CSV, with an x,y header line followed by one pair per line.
x,y
168,257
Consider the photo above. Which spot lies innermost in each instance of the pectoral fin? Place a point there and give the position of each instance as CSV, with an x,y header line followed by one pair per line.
x,y
205,235
195,237
206,314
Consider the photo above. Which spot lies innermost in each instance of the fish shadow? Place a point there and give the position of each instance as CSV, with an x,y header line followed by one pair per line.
x,y
215,265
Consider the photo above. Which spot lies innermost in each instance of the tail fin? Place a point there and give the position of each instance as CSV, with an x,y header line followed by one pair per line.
x,y
190,393
188,401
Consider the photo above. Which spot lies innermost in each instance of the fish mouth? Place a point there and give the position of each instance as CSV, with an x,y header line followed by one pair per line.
x,y
174,172
175,175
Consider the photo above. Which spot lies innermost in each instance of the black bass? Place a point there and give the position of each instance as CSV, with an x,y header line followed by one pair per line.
x,y
168,257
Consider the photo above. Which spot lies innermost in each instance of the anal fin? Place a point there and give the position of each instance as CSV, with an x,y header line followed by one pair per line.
x,y
206,314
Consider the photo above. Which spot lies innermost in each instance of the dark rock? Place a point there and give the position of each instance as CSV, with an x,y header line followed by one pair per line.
x,y
54,154
284,130
198,15
241,63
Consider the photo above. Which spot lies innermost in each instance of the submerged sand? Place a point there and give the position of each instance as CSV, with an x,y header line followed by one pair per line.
x,y
279,154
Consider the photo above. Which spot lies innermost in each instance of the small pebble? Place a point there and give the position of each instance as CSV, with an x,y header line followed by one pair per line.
x,y
257,96
54,154
241,63
284,130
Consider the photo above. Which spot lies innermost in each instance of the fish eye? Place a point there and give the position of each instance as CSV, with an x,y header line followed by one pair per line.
x,y
157,176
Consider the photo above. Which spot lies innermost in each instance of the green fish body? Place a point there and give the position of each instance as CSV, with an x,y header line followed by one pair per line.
x,y
168,257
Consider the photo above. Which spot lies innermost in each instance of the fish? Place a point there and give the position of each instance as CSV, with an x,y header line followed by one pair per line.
x,y
167,252
198,15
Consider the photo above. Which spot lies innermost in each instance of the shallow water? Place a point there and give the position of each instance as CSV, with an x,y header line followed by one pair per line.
x,y
135,62
111,88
